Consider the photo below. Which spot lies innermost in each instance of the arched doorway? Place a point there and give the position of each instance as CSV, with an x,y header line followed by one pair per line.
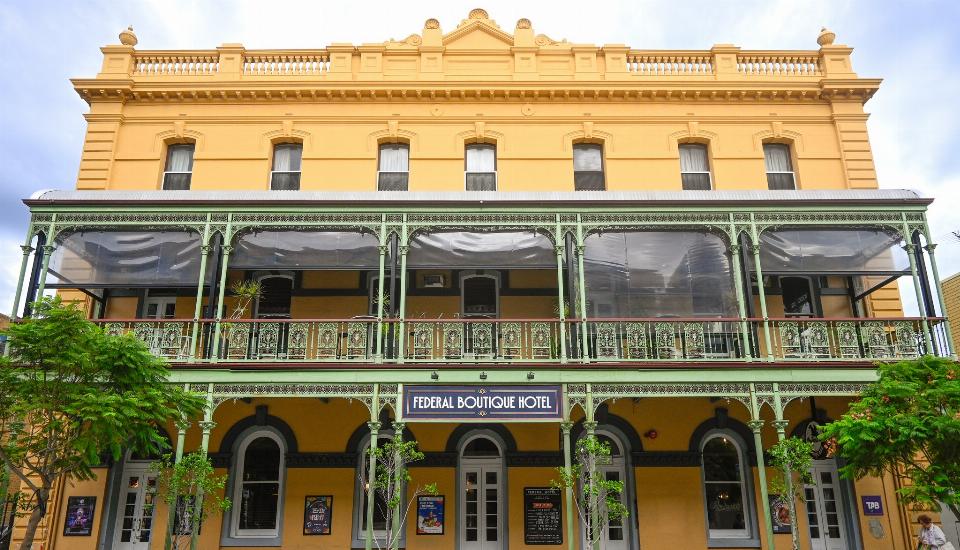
x,y
481,494
616,535
137,504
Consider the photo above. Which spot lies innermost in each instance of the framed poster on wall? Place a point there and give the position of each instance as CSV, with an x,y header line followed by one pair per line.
x,y
779,514
430,509
79,519
318,515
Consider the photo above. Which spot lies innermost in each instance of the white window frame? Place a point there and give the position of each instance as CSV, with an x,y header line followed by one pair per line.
x,y
166,163
161,302
498,462
235,531
273,160
793,173
706,152
466,172
380,156
603,163
746,473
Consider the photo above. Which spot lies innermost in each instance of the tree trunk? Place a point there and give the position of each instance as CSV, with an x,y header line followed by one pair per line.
x,y
35,516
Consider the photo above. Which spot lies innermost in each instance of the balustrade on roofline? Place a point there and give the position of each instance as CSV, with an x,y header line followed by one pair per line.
x,y
504,341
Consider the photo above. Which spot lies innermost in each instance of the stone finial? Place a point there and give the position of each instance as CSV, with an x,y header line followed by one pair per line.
x,y
524,24
127,37
826,37
431,24
478,13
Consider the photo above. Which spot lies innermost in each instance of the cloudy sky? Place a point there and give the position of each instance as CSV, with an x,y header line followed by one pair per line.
x,y
912,45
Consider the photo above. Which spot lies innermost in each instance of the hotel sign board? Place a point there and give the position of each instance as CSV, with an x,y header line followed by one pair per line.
x,y
481,403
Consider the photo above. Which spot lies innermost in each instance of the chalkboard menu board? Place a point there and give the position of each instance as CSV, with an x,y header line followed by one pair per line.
x,y
317,515
542,522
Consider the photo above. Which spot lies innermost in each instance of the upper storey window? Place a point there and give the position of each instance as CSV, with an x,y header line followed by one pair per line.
x,y
285,175
179,167
779,166
588,167
394,169
481,167
694,167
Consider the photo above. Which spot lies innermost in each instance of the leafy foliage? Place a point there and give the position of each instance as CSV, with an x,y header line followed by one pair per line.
x,y
392,476
71,394
908,421
181,486
597,498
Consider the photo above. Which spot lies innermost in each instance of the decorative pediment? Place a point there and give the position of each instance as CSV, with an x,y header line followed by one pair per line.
x,y
478,32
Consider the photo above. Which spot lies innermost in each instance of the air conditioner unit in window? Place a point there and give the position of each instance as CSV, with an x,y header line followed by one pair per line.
x,y
433,281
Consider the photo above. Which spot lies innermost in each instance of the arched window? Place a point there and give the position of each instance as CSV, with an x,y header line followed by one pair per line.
x,y
481,167
393,169
258,486
178,169
588,167
480,497
285,175
380,507
725,487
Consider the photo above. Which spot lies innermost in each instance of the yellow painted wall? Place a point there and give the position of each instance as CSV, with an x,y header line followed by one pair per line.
x,y
951,299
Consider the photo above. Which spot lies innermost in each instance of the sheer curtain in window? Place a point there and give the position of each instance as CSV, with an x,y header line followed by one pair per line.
x,y
286,167
179,167
481,170
588,167
776,156
694,167
394,172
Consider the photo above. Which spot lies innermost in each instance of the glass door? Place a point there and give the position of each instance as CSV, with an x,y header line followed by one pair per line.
x,y
615,536
137,507
480,514
824,508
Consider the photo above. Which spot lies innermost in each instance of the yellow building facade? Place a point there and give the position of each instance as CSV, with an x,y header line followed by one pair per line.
x,y
685,253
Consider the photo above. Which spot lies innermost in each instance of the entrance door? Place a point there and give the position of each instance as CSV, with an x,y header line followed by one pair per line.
x,y
137,503
615,535
824,509
480,515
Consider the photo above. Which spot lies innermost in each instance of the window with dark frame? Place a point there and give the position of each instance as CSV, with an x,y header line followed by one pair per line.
x,y
285,175
481,167
695,167
178,170
780,174
588,167
258,494
393,170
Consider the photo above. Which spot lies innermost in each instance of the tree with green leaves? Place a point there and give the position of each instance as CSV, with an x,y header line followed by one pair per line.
x,y
597,498
791,459
181,485
907,422
392,478
71,395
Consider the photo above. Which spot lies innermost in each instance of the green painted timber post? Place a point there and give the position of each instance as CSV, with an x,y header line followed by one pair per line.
x,y
582,299
781,426
756,424
382,249
565,428
198,307
371,487
560,304
734,250
931,246
404,246
590,426
924,323
206,426
755,248
398,427
224,266
27,249
182,426
47,251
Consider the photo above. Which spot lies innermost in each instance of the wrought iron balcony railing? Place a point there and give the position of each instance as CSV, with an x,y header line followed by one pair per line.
x,y
504,341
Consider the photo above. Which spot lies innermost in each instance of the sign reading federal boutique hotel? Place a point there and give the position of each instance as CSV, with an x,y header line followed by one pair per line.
x,y
465,403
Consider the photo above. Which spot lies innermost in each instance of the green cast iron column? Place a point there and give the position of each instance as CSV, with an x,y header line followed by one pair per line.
x,y
403,248
781,426
590,426
382,249
224,266
371,487
47,251
582,299
756,424
924,324
734,250
206,426
755,248
27,249
560,306
931,246
198,307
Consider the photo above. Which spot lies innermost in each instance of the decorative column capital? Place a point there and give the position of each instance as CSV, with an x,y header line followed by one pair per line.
x,y
781,425
590,427
930,248
403,249
733,249
27,249
756,425
48,249
755,249
559,248
909,247
207,425
374,427
398,428
205,249
565,427
183,425
580,247
382,249
227,249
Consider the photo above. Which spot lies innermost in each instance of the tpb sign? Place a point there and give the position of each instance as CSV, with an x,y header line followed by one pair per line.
x,y
872,505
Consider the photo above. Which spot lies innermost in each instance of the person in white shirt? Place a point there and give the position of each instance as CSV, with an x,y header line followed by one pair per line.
x,y
931,537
